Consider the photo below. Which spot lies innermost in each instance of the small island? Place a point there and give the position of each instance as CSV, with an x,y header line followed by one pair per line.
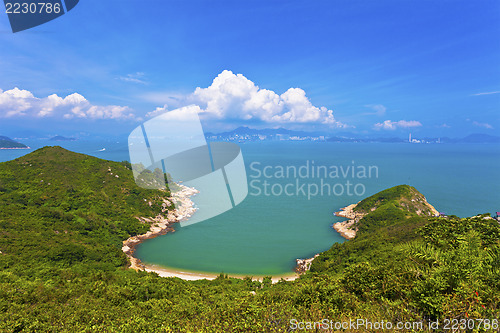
x,y
8,143
61,138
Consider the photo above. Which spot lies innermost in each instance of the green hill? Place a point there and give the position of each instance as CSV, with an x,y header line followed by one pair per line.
x,y
403,196
63,217
71,208
394,205
384,220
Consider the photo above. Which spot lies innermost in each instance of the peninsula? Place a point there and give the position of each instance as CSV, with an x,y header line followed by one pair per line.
x,y
8,143
400,202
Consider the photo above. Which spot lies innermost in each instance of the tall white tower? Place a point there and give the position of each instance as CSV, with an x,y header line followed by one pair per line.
x,y
409,138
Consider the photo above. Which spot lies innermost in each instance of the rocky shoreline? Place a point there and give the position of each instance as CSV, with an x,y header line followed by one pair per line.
x,y
160,224
303,265
348,229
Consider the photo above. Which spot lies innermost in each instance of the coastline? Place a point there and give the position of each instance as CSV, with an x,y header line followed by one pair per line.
x,y
161,225
348,229
303,265
194,275
434,211
345,229
15,148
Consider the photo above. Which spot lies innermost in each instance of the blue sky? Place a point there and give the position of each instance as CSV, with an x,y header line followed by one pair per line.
x,y
367,67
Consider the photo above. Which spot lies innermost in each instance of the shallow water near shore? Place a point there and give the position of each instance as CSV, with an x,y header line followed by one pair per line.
x,y
266,233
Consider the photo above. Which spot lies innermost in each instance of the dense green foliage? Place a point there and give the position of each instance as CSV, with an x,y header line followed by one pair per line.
x,y
63,217
67,208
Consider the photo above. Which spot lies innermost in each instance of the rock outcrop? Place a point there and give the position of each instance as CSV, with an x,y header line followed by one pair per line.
x,y
303,265
348,229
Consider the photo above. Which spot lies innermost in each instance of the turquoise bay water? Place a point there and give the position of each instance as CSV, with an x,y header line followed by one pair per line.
x,y
265,234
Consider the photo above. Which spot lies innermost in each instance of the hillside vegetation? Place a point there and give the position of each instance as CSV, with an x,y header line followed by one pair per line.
x,y
63,217
389,217
391,206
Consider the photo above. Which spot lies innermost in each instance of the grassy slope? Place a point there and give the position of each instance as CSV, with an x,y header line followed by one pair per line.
x,y
62,268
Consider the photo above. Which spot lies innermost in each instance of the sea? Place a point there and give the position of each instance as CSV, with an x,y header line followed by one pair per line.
x,y
295,187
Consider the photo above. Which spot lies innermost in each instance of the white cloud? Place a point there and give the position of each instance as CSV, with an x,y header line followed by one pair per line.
x,y
22,103
445,126
378,108
180,114
157,111
137,77
487,93
15,102
392,125
485,125
185,113
233,96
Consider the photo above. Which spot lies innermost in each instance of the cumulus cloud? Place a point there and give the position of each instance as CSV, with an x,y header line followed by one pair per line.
x,y
485,125
233,96
392,125
22,103
159,110
15,102
184,113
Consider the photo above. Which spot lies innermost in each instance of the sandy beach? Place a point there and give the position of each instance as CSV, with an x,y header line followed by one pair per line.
x,y
191,276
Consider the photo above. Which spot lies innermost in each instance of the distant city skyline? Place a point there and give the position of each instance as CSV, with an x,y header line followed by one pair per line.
x,y
383,68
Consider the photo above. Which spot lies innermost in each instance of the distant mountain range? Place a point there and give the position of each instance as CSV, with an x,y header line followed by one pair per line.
x,y
249,134
8,143
244,134
480,138
473,138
